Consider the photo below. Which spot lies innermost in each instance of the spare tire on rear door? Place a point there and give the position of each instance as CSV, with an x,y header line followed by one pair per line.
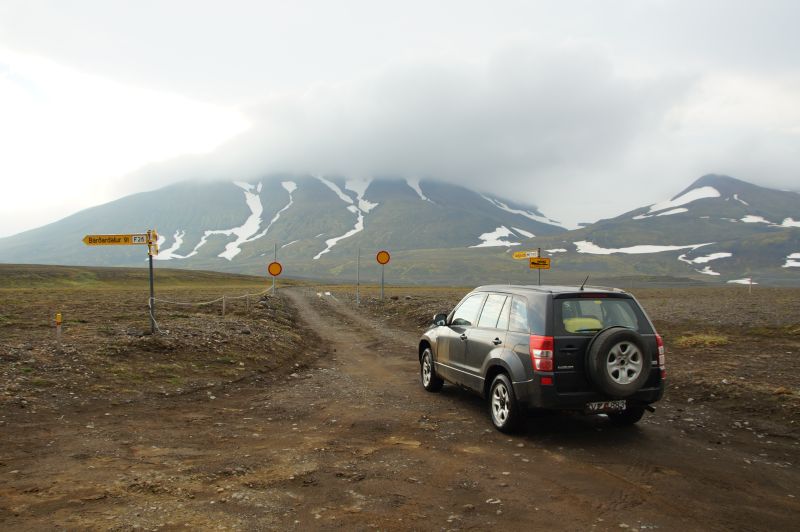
x,y
617,361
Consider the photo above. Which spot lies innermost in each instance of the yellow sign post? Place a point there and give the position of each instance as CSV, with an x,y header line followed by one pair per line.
x,y
117,240
149,239
522,255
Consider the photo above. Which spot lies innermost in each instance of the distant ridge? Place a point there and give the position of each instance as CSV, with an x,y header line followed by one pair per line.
x,y
718,229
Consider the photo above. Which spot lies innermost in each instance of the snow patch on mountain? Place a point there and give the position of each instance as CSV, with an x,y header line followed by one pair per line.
x,y
333,241
523,232
746,280
248,231
495,238
360,207
665,213
743,202
290,187
584,246
673,211
707,271
751,219
789,222
359,186
533,216
170,252
706,258
690,196
792,261
556,250
333,186
413,182
252,194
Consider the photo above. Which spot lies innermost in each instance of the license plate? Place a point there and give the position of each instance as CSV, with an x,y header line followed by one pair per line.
x,y
606,406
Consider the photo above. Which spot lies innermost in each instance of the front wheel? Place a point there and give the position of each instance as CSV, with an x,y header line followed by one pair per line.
x,y
427,373
627,417
503,407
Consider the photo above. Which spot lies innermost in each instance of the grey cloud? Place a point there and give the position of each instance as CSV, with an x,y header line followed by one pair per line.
x,y
525,115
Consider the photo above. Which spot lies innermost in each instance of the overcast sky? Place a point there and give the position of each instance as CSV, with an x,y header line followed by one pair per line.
x,y
584,108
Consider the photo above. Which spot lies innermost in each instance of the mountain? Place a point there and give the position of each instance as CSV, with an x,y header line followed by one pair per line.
x,y
717,229
234,226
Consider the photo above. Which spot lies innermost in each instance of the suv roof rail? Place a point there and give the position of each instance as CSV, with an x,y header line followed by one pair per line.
x,y
549,289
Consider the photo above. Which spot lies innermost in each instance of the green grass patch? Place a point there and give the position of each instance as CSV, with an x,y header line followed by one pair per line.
x,y
787,330
701,340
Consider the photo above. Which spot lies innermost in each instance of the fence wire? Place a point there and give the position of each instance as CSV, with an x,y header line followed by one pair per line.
x,y
202,303
151,301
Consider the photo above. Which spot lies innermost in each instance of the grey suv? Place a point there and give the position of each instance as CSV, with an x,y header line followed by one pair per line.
x,y
587,349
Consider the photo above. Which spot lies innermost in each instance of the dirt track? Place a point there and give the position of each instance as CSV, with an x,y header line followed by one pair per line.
x,y
354,442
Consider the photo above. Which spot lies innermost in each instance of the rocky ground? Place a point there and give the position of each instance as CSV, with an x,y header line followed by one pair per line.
x,y
304,412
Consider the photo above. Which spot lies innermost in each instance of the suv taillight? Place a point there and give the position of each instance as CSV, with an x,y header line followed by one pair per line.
x,y
542,352
661,358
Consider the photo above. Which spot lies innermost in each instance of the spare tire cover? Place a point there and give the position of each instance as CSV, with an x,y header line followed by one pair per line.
x,y
618,362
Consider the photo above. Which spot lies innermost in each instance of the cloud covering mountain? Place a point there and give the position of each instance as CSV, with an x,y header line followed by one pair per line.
x,y
585,105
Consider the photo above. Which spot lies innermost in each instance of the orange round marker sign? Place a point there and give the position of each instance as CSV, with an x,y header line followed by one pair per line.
x,y
274,269
383,257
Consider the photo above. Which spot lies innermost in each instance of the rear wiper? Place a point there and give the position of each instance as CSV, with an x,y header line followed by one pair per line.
x,y
587,330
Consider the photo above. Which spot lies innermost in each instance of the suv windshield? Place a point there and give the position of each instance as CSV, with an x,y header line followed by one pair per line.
x,y
589,315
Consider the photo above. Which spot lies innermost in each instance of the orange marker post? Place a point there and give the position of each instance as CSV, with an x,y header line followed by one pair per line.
x,y
383,259
274,269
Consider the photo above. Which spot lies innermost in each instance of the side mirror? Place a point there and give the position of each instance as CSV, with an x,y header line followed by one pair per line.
x,y
440,319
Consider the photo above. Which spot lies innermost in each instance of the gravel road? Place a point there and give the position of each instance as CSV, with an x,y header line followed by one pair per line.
x,y
351,441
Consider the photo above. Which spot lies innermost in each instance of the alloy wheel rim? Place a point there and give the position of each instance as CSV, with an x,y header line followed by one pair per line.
x,y
500,408
624,363
426,370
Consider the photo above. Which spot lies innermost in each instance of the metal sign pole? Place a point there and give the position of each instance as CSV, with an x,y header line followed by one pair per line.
x,y
358,277
539,254
152,293
383,267
275,259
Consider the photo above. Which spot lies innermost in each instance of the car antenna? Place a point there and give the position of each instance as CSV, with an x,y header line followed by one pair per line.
x,y
584,283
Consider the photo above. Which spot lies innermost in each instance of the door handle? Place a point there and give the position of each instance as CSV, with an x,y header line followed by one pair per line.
x,y
463,336
569,348
497,341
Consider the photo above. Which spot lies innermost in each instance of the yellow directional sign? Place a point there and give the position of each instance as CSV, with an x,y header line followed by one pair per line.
x,y
539,264
116,240
522,255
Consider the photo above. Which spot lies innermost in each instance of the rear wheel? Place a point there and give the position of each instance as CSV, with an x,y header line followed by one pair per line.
x,y
617,362
503,407
629,416
430,381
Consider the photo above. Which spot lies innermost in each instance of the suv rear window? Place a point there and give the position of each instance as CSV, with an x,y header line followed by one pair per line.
x,y
589,315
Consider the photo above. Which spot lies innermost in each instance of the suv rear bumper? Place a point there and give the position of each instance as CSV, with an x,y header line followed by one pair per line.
x,y
532,395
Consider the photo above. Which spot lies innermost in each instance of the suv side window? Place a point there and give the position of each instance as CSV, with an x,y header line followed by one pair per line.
x,y
467,311
491,311
519,316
